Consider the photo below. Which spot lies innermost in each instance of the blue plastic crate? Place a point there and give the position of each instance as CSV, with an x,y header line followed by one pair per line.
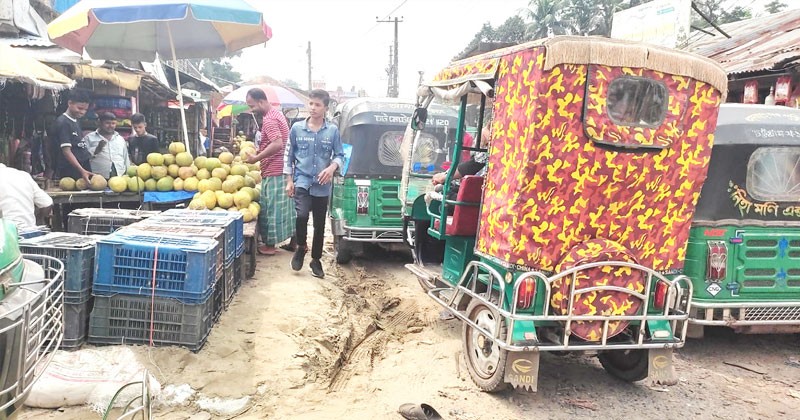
x,y
234,235
184,268
76,252
210,232
236,217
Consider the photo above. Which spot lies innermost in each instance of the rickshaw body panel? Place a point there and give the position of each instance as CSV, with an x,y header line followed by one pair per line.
x,y
365,204
758,289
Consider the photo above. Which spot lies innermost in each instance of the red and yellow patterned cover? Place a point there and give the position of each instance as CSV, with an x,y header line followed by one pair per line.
x,y
603,302
549,187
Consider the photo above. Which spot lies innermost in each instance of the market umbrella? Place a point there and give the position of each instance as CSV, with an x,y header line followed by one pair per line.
x,y
17,65
234,103
140,29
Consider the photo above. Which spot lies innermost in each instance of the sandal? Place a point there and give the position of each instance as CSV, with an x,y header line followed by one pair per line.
x,y
418,412
266,250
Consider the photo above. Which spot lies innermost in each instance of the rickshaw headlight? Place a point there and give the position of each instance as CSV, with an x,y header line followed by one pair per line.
x,y
526,293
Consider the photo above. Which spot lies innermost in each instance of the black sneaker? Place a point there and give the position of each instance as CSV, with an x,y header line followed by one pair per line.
x,y
316,269
297,259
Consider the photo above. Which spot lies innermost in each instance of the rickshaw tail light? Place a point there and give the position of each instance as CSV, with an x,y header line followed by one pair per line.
x,y
527,292
660,295
717,263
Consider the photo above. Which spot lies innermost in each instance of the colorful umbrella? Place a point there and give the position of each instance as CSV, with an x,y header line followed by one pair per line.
x,y
235,103
139,29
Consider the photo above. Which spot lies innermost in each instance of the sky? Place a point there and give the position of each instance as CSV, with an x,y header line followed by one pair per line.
x,y
350,49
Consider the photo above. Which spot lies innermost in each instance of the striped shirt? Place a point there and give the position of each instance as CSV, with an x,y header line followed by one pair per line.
x,y
273,128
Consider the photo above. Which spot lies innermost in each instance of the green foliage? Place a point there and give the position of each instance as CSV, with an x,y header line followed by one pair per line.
x,y
775,6
546,18
718,13
291,83
511,31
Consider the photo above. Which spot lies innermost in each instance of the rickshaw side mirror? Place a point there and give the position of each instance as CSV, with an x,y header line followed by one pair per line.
x,y
419,118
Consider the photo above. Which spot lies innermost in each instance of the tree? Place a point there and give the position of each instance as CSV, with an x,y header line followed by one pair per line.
x,y
716,12
546,18
220,71
511,31
291,83
591,17
775,6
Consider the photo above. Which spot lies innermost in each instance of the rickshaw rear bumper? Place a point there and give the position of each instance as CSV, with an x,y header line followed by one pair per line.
x,y
367,234
546,338
747,314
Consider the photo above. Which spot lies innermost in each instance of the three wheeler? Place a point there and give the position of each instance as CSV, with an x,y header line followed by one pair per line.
x,y
364,207
31,318
574,239
744,247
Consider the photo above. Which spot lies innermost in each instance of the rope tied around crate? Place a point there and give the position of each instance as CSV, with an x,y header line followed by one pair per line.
x,y
153,293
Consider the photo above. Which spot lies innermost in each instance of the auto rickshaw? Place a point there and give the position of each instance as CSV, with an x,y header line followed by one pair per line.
x,y
574,239
365,207
744,246
31,318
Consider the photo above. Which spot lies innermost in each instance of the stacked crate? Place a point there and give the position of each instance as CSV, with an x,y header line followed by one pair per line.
x,y
153,288
92,221
77,253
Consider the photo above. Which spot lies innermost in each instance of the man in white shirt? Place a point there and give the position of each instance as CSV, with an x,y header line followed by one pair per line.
x,y
20,196
109,150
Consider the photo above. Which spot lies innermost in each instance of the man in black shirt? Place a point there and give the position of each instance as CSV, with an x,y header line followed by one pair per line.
x,y
70,152
141,143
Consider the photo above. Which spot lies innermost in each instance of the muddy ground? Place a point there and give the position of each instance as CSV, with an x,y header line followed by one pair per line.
x,y
366,339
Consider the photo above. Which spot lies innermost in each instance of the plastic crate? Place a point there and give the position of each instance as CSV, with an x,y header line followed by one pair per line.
x,y
229,283
178,221
235,217
210,232
73,297
128,319
239,271
184,268
76,252
218,297
76,324
33,232
92,221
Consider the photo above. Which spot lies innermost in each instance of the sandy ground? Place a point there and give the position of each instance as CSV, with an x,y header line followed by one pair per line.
x,y
366,339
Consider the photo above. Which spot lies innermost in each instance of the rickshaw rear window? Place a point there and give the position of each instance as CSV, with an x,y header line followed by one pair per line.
x,y
637,101
389,148
426,150
773,174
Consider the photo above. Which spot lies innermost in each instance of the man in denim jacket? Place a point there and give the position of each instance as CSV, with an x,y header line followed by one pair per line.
x,y
312,156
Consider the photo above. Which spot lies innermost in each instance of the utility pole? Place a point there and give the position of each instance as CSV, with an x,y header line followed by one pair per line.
x,y
308,51
394,85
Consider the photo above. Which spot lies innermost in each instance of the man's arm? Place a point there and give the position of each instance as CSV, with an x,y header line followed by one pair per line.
x,y
337,162
42,201
67,152
288,163
272,135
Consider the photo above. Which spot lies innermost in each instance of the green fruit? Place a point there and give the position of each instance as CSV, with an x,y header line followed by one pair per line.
x,y
164,184
131,170
67,184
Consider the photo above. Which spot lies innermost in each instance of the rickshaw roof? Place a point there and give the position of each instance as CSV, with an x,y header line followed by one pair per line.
x,y
589,50
757,124
359,111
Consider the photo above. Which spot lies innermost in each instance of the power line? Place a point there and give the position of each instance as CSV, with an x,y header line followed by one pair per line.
x,y
385,17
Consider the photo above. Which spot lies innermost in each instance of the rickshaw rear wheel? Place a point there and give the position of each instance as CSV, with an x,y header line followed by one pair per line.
x,y
628,365
343,253
486,361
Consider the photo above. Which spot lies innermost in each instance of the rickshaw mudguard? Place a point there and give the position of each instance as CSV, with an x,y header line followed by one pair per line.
x,y
661,369
522,370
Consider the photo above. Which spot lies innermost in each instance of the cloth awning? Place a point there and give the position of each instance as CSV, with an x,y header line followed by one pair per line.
x,y
121,78
17,65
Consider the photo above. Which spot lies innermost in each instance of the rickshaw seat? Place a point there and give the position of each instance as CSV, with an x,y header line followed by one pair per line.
x,y
464,221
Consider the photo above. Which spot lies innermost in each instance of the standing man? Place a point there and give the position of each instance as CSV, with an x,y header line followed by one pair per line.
x,y
276,219
20,196
313,155
70,152
108,148
141,143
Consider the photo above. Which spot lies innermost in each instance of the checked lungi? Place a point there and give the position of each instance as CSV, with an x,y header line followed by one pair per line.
x,y
277,217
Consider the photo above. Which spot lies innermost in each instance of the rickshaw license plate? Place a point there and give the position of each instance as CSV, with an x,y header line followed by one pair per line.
x,y
522,370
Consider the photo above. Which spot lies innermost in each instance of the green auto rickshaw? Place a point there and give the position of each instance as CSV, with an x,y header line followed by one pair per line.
x,y
365,207
744,246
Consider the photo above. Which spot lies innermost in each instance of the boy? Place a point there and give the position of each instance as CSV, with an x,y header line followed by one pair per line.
x,y
70,152
313,154
141,143
108,148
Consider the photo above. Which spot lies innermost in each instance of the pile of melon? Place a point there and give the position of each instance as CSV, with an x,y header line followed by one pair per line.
x,y
224,183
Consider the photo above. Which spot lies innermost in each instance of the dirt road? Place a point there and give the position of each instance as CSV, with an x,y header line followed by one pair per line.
x,y
366,340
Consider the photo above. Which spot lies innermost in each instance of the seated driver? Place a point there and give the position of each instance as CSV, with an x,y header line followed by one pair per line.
x,y
476,165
